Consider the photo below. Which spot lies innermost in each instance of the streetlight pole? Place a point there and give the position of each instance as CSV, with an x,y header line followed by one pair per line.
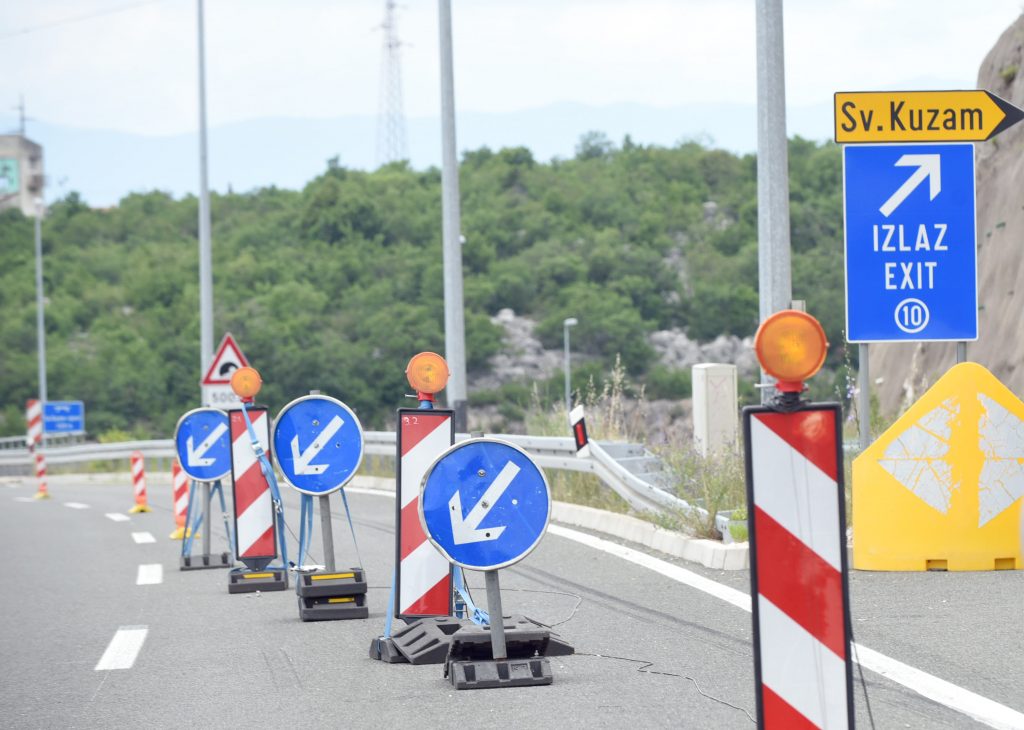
x,y
454,316
205,254
566,324
773,247
40,317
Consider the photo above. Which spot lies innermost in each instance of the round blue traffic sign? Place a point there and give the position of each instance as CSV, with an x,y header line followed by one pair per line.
x,y
319,444
203,442
484,504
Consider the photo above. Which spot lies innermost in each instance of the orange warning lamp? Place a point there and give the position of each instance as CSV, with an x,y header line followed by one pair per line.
x,y
791,347
427,373
246,383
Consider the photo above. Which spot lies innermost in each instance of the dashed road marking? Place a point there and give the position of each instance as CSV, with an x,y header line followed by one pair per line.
x,y
24,499
150,574
123,648
143,537
982,709
76,505
117,517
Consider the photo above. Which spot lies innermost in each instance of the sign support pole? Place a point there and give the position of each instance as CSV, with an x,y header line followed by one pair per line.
x,y
498,649
206,515
325,528
961,352
863,397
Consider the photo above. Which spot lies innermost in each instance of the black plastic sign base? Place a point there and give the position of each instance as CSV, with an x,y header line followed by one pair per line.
x,y
203,562
250,581
351,582
336,596
383,649
333,608
490,674
428,640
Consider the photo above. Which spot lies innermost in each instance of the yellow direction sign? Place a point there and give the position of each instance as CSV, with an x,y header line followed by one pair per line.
x,y
921,116
942,488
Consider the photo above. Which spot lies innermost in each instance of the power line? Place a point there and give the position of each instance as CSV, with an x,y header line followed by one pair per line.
x,y
76,19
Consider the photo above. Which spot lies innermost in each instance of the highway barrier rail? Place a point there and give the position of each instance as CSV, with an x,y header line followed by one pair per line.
x,y
550,452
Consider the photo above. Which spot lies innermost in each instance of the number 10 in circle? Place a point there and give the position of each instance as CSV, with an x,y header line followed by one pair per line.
x,y
912,315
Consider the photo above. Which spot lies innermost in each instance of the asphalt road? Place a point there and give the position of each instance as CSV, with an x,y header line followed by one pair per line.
x,y
652,652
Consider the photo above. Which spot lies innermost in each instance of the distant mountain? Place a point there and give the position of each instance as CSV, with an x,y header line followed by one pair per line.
x,y
105,165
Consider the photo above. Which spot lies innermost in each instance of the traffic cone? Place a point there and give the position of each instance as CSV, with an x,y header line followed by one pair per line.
x,y
179,486
139,480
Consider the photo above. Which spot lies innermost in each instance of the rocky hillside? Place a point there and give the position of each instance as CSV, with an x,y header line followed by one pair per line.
x,y
907,370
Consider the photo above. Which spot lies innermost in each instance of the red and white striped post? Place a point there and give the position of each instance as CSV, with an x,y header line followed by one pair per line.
x,y
254,508
34,420
139,483
179,491
799,567
424,581
797,521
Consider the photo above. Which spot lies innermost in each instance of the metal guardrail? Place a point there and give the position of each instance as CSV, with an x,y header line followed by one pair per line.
x,y
550,452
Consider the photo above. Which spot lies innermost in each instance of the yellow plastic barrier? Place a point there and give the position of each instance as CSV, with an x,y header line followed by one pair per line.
x,y
942,488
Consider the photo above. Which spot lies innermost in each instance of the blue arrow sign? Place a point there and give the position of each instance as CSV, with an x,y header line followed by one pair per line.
x,y
911,260
64,416
485,504
203,442
319,444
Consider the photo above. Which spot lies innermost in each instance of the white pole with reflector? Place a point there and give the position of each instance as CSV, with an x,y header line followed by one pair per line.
x,y
579,432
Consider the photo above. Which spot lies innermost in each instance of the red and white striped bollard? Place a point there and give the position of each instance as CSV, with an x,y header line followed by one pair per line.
x,y
179,491
34,419
139,483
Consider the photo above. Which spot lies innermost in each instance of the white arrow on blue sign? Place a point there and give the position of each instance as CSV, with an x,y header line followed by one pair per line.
x,y
319,444
203,443
911,261
484,504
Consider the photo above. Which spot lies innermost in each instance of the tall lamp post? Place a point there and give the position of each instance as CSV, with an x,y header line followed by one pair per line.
x,y
566,324
40,316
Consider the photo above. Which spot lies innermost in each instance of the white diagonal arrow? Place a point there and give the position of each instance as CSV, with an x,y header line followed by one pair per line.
x,y
302,465
195,455
466,529
928,166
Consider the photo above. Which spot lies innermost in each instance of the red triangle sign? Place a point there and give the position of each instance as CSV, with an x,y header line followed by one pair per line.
x,y
228,359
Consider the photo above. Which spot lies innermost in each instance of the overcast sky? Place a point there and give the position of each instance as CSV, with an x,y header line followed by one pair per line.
x,y
135,70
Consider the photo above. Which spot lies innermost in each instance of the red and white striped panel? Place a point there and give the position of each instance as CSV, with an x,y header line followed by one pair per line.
x,y
179,487
254,508
34,421
41,470
139,477
424,575
799,570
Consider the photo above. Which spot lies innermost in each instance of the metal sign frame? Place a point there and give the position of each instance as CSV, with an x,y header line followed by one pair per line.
x,y
748,413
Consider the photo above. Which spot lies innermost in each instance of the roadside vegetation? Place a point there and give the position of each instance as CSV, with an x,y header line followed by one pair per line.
x,y
333,287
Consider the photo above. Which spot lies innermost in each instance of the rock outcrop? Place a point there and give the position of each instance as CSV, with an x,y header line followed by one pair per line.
x,y
908,369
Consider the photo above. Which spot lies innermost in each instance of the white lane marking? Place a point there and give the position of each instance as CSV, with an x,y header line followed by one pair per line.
x,y
143,537
956,698
123,648
118,517
24,499
150,574
76,505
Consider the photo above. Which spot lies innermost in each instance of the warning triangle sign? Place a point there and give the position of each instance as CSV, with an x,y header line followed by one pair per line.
x,y
228,359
